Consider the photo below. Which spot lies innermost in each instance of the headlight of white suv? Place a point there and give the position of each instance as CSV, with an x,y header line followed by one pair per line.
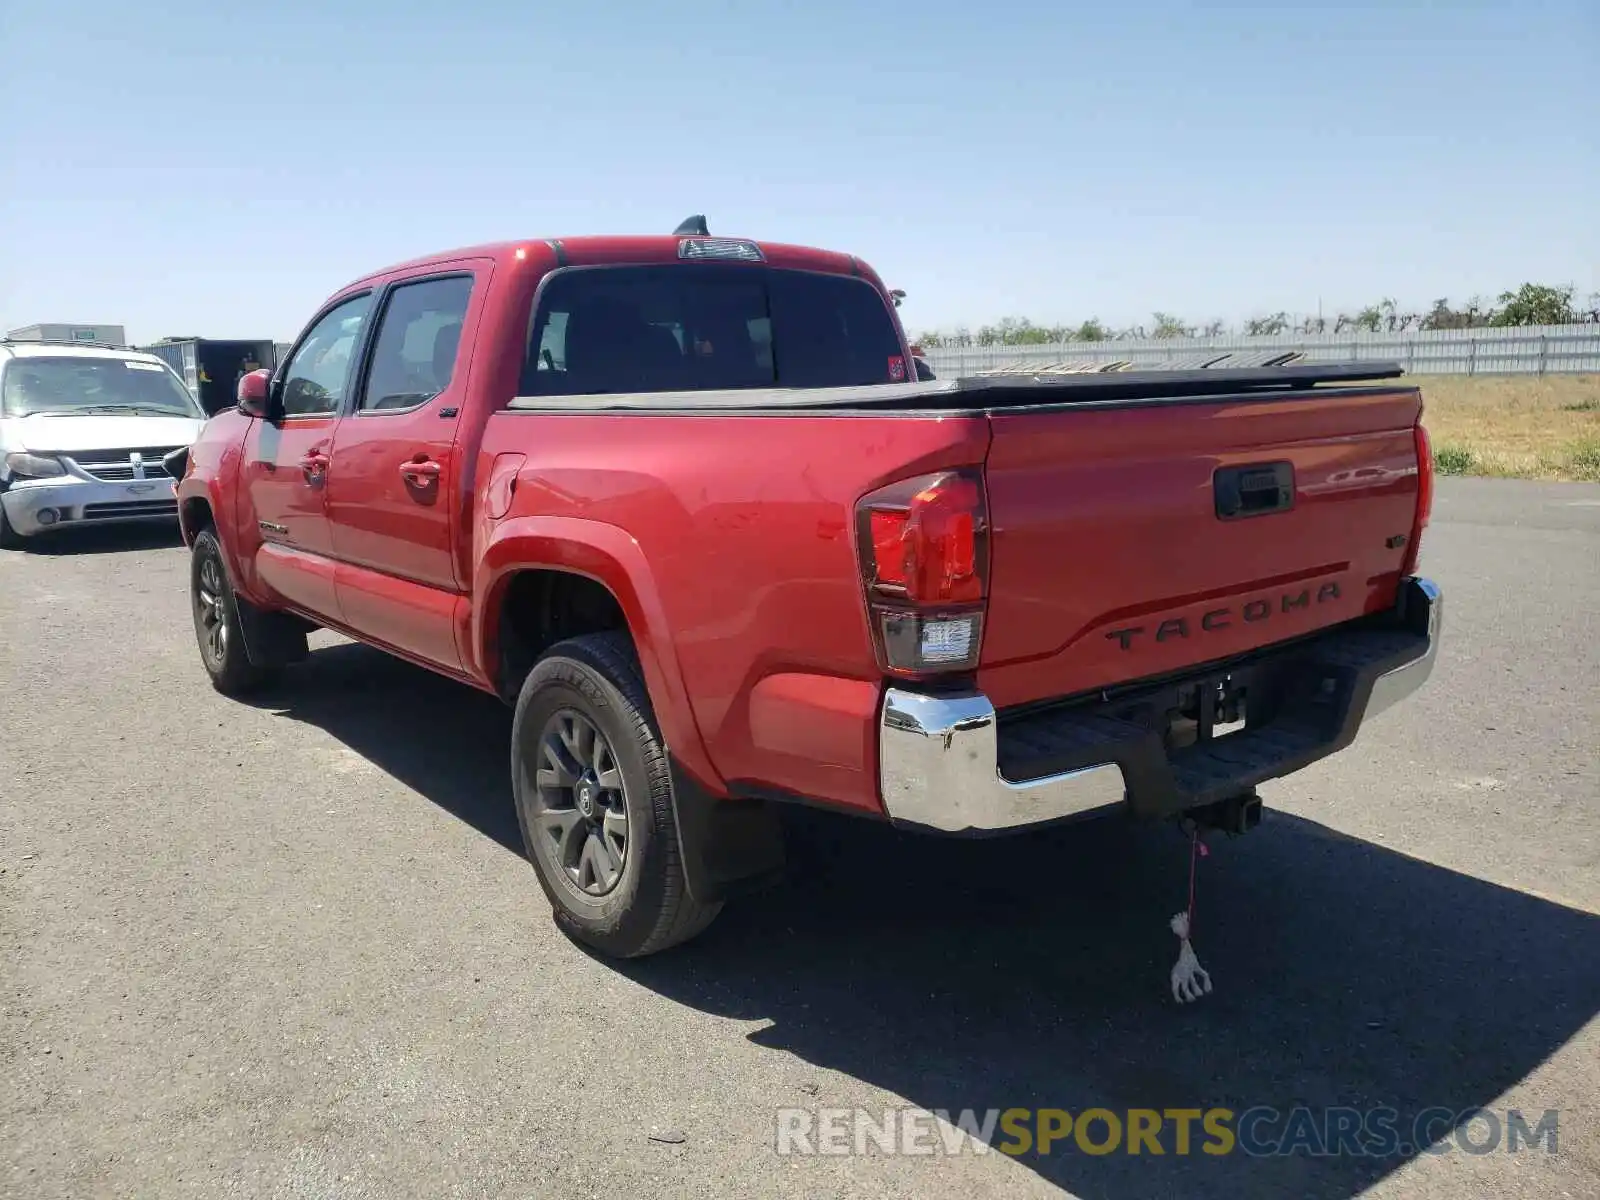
x,y
33,466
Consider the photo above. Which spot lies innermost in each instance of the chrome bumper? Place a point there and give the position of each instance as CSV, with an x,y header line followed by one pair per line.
x,y
938,767
938,755
1421,609
36,505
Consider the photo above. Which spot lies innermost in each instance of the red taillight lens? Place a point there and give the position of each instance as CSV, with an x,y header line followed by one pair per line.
x,y
924,546
1424,500
888,530
928,540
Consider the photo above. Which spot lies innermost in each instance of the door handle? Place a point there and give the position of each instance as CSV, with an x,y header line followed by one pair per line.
x,y
314,464
420,473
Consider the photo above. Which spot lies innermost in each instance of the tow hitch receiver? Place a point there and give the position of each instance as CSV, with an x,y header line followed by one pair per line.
x,y
1236,815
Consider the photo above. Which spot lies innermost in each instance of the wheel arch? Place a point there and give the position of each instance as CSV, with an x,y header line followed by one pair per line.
x,y
194,514
573,559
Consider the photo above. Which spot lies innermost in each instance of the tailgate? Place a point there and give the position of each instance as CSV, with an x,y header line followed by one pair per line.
x,y
1110,561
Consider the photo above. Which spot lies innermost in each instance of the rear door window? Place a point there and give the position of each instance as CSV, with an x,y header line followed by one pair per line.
x,y
704,327
418,336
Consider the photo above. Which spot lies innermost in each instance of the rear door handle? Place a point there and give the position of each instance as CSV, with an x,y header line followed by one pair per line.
x,y
420,473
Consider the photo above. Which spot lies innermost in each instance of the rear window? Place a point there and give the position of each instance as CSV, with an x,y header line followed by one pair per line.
x,y
707,327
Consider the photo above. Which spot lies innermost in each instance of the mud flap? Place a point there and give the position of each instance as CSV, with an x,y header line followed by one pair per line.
x,y
270,639
729,847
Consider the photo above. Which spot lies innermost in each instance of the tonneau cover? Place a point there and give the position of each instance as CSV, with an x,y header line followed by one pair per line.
x,y
989,392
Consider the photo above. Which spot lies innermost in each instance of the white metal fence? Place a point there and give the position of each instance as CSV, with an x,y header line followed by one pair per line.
x,y
1522,350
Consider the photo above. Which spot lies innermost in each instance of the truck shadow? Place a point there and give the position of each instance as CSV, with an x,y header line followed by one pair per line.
x,y
442,739
1031,972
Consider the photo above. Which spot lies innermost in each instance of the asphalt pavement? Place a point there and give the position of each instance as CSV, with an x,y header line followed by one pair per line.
x,y
292,948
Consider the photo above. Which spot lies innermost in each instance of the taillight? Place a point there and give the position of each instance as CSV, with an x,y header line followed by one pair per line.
x,y
1424,500
924,549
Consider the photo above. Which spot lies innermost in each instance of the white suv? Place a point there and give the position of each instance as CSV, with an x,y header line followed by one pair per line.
x,y
82,433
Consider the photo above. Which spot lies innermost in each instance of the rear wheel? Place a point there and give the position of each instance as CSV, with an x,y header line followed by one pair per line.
x,y
216,621
594,800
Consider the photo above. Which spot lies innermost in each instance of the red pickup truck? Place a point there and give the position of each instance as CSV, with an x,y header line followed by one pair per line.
x,y
683,502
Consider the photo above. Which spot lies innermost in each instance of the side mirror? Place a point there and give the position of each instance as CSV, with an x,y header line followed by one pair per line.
x,y
253,389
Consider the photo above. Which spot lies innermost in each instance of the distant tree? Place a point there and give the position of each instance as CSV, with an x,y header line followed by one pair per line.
x,y
1019,331
1016,331
1169,326
1536,304
1531,304
1442,316
1368,319
1267,326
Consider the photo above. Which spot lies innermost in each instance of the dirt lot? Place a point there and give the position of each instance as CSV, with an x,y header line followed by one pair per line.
x,y
292,948
1524,426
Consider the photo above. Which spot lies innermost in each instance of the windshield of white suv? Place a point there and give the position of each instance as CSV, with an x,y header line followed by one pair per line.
x,y
93,386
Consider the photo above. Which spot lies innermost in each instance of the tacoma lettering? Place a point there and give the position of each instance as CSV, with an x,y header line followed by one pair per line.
x,y
1217,619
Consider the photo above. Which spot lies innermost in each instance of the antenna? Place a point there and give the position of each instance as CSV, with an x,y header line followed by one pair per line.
x,y
694,226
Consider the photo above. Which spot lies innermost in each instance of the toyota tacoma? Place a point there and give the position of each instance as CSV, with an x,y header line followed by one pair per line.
x,y
683,502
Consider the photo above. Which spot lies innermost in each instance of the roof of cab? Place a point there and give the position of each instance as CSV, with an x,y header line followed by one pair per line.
x,y
596,249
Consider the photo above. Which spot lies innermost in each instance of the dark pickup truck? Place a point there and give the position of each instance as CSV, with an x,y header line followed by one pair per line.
x,y
683,502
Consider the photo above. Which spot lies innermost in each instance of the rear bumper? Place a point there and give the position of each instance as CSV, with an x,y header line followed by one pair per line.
x,y
952,764
68,501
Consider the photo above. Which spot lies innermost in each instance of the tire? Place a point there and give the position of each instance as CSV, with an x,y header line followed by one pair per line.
x,y
641,904
10,539
216,621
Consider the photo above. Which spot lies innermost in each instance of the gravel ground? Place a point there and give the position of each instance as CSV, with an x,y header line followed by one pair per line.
x,y
292,948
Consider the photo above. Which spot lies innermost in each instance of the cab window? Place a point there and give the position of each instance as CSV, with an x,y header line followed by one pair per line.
x,y
419,335
315,379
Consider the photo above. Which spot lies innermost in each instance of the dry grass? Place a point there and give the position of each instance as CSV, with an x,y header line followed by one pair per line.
x,y
1523,427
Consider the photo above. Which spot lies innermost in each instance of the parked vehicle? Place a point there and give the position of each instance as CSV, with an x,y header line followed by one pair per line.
x,y
212,367
64,331
678,501
84,430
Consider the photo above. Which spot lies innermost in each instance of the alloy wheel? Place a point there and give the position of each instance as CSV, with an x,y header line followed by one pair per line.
x,y
581,805
209,612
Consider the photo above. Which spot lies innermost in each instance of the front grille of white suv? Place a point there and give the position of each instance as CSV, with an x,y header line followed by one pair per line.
x,y
118,466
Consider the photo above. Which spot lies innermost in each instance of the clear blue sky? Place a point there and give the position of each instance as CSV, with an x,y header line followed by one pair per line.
x,y
216,168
